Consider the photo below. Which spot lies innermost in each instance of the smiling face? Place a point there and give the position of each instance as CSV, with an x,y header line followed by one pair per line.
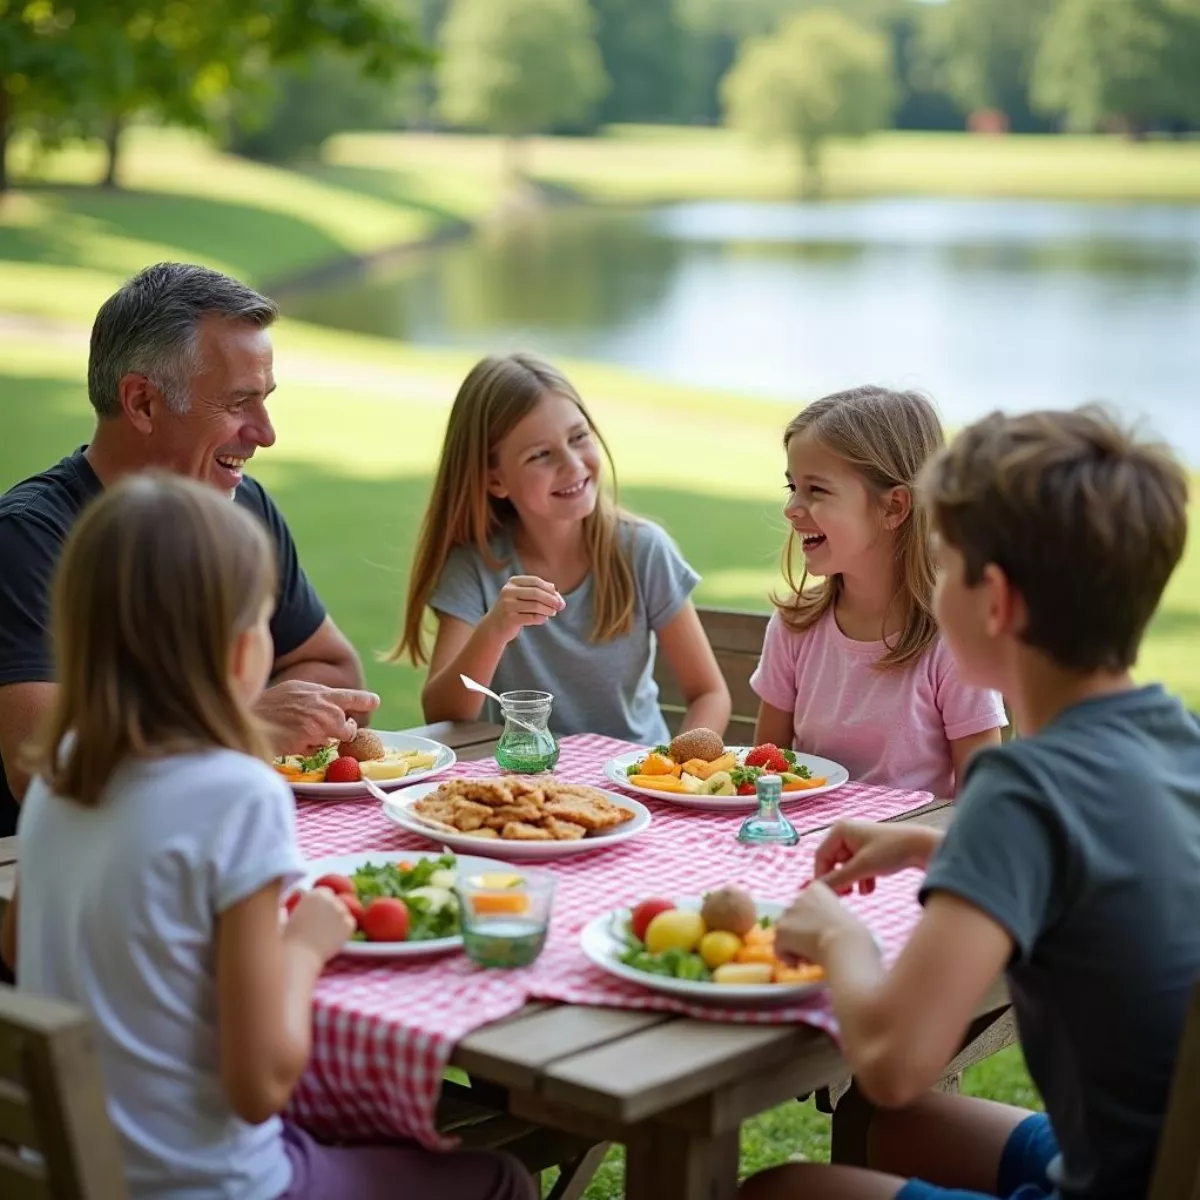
x,y
226,420
843,526
548,467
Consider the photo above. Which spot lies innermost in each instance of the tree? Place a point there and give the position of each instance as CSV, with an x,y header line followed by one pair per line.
x,y
1120,60
640,45
40,67
517,67
822,75
982,52
101,62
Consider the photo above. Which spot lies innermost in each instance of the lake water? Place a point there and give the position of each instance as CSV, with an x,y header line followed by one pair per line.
x,y
985,304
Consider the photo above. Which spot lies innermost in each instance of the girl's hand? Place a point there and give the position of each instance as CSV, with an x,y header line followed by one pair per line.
x,y
857,852
321,923
524,600
803,931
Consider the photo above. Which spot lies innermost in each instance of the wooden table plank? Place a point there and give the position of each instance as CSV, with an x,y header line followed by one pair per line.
x,y
637,1077
470,740
516,1053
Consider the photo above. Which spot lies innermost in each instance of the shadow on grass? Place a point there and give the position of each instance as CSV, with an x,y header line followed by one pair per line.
x,y
396,187
202,228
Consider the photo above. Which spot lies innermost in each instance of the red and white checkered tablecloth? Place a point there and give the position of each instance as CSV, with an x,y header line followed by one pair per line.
x,y
384,1031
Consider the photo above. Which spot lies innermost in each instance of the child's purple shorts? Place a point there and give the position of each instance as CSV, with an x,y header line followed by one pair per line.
x,y
399,1170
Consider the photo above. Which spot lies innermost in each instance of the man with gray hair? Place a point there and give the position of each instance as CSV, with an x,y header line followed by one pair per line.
x,y
179,373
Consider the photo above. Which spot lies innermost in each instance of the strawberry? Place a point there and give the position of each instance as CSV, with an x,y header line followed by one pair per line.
x,y
746,789
343,770
769,757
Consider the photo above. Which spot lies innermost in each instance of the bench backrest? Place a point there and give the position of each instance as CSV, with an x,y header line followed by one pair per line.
x,y
52,1103
1177,1166
736,639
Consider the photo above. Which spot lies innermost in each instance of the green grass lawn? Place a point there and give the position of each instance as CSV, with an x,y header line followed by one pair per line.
x,y
360,420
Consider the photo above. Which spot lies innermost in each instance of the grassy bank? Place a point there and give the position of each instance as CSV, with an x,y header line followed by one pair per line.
x,y
359,420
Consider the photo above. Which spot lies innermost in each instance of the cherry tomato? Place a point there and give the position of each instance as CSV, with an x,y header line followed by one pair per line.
x,y
385,920
336,883
645,912
355,905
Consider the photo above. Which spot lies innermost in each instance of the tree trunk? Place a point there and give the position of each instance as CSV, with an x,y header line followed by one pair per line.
x,y
515,160
5,119
112,145
811,183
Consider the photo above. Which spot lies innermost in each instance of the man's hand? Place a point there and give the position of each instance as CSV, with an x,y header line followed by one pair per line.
x,y
307,715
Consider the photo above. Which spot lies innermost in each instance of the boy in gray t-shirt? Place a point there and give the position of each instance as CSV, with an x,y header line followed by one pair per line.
x,y
1073,860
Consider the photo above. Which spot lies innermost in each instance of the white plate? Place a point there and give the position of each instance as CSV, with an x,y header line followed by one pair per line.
x,y
602,944
397,809
347,864
446,758
834,773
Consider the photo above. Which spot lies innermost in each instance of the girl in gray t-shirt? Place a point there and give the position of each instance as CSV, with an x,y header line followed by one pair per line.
x,y
538,581
155,843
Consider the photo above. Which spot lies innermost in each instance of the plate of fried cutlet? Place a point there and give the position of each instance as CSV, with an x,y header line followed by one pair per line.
x,y
517,817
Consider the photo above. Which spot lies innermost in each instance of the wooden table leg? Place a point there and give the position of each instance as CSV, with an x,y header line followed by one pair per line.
x,y
662,1163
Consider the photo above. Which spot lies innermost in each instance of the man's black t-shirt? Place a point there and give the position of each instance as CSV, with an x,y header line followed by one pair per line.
x,y
35,517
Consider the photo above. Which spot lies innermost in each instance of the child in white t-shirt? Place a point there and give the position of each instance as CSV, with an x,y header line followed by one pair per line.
x,y
154,845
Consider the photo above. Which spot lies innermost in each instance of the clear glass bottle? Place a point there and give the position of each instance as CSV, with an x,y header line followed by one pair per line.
x,y
768,826
526,747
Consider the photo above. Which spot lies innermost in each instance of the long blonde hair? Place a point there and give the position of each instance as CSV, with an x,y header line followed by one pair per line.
x,y
157,580
497,394
886,437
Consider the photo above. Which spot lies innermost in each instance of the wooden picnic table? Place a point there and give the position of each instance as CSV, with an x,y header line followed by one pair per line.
x,y
672,1089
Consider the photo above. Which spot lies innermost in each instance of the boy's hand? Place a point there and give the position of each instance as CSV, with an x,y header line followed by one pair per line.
x,y
524,600
805,929
857,852
321,923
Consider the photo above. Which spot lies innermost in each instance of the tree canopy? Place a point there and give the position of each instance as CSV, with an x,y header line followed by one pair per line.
x,y
519,66
822,75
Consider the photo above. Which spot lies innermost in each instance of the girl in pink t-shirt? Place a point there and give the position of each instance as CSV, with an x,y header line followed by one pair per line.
x,y
854,668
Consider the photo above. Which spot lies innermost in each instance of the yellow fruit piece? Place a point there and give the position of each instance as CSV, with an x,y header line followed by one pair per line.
x,y
744,973
757,935
658,764
384,768
496,880
679,929
805,973
758,953
719,947
415,760
657,783
706,770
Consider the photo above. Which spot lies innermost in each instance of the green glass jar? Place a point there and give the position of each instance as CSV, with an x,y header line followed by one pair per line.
x,y
527,747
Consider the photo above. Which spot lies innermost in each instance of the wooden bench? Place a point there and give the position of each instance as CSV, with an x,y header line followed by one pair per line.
x,y
52,1104
736,639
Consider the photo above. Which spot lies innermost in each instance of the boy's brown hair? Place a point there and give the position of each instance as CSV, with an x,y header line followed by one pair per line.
x,y
156,582
1086,521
